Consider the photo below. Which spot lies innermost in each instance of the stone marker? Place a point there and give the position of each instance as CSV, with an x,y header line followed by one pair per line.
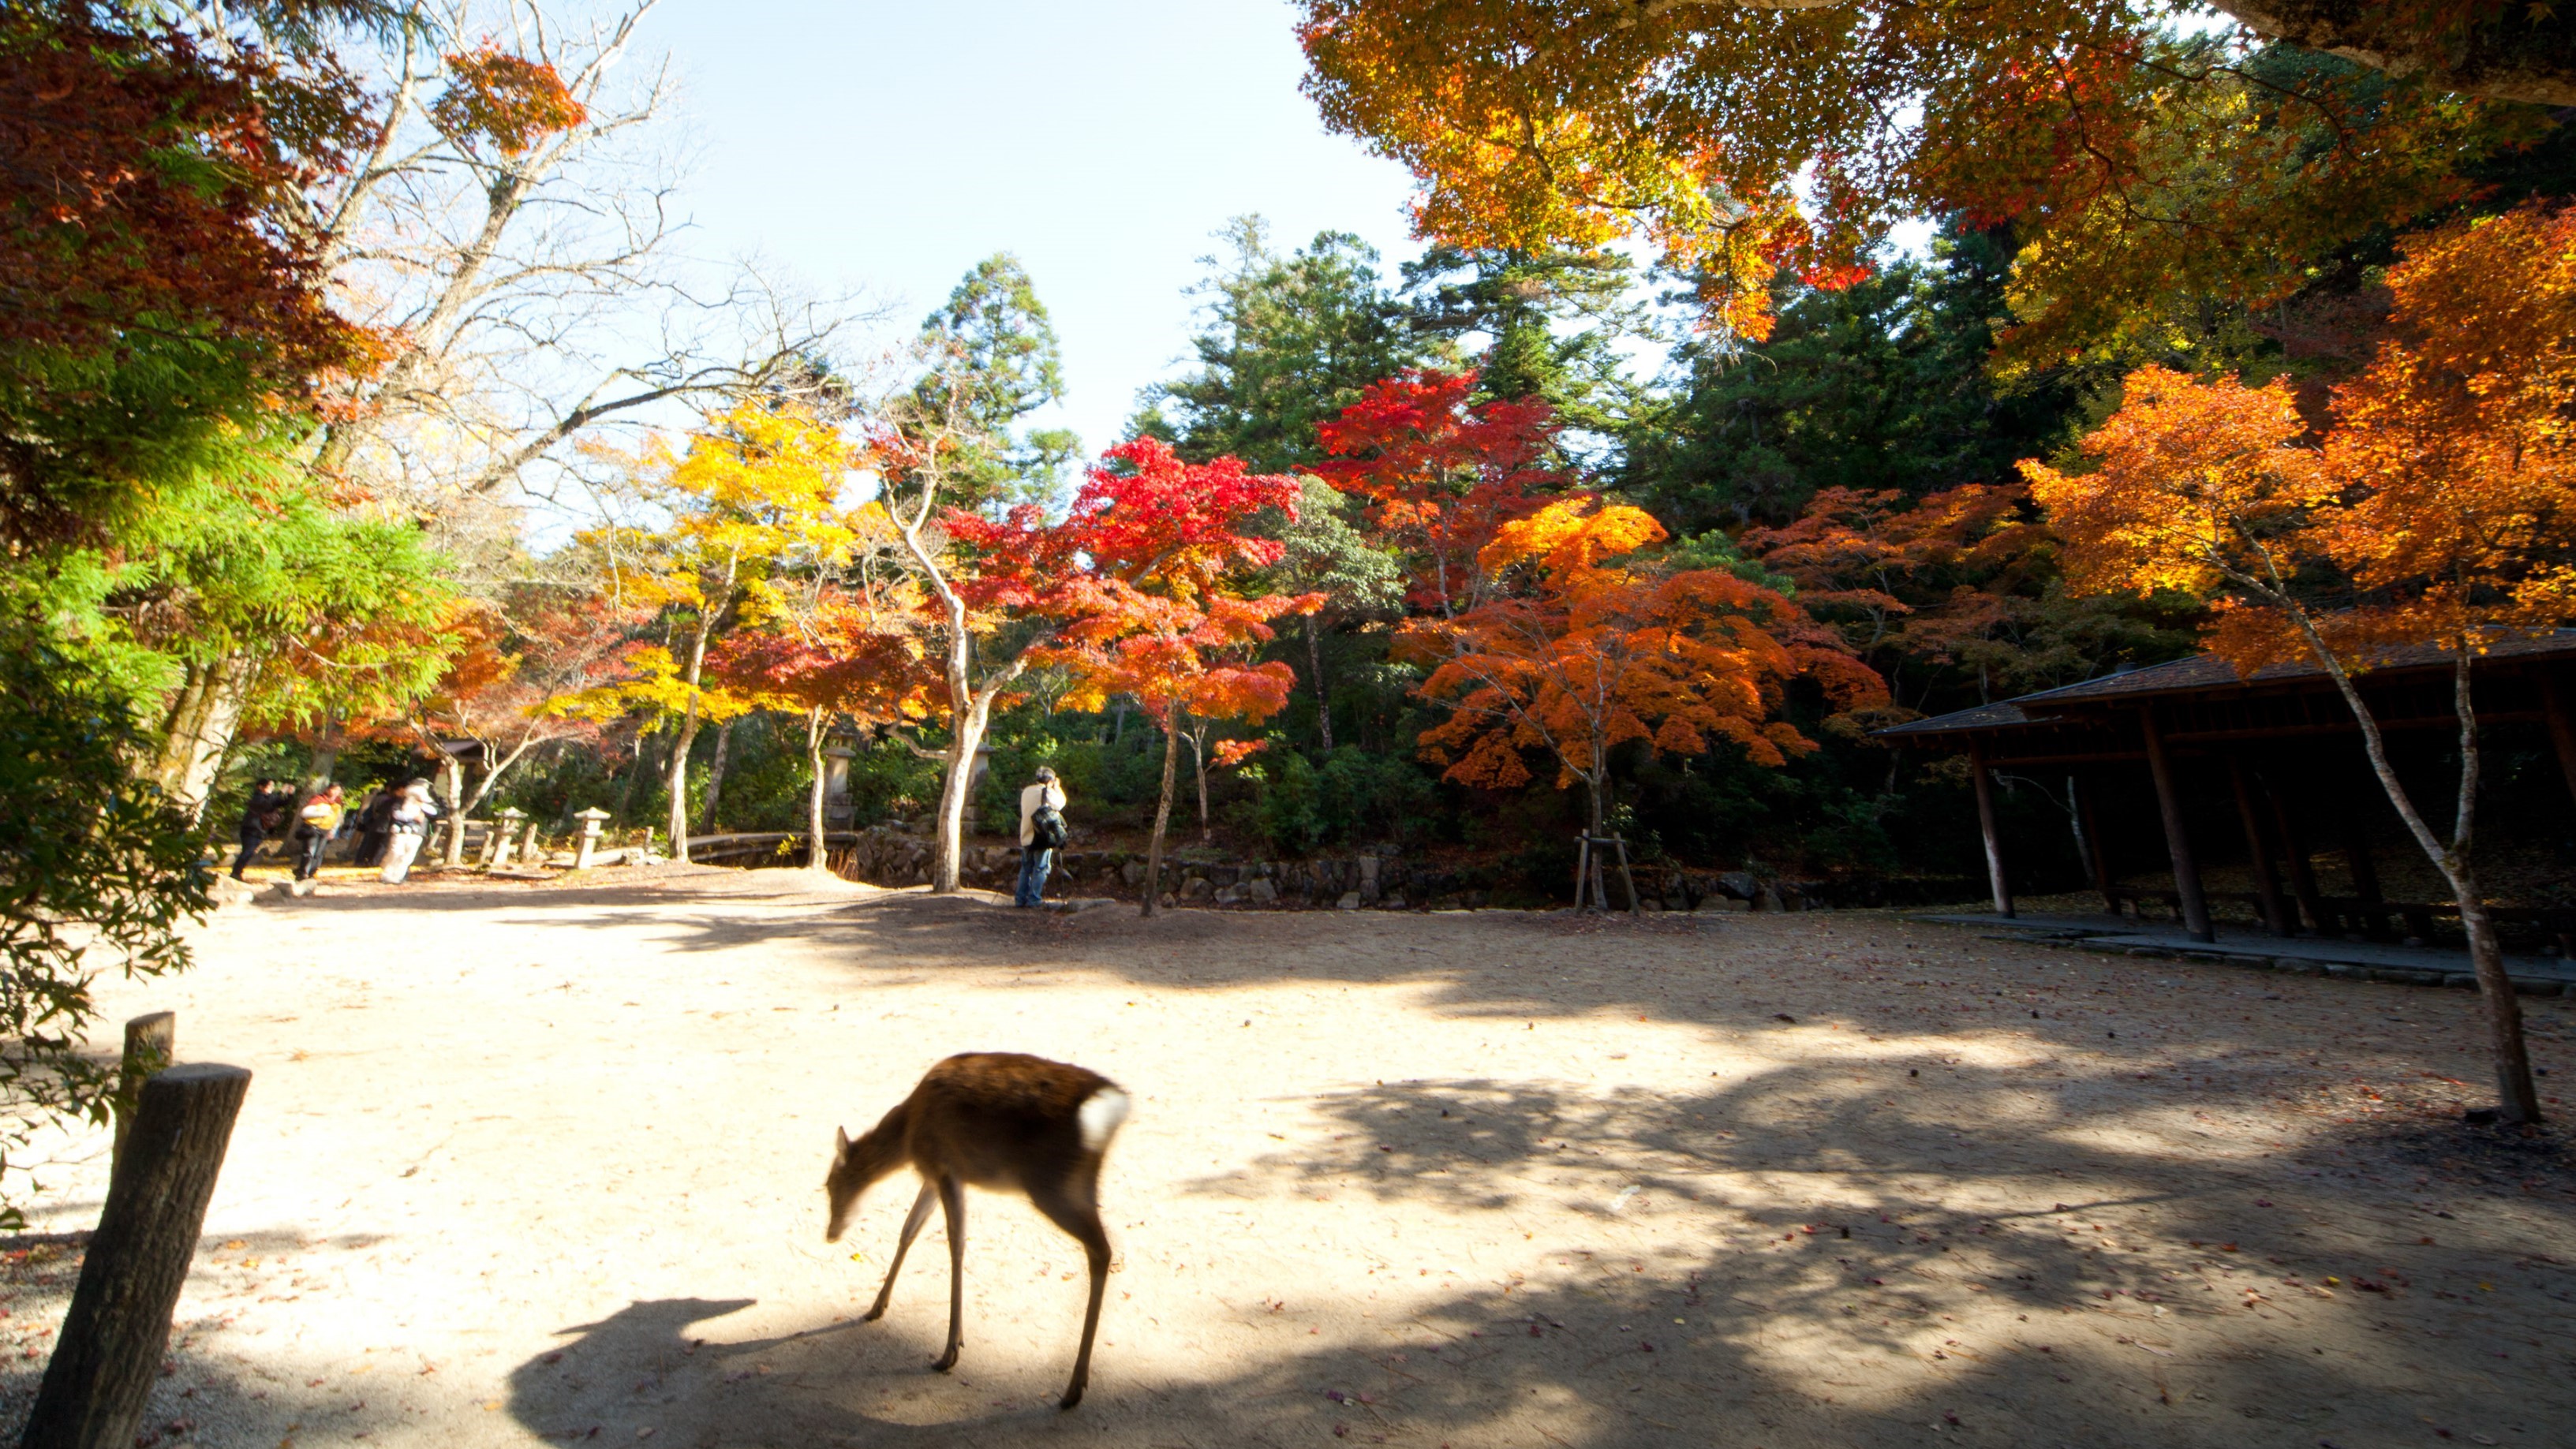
x,y
592,820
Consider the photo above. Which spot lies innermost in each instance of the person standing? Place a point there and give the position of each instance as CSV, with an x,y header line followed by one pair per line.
x,y
410,826
260,819
376,824
315,824
1042,833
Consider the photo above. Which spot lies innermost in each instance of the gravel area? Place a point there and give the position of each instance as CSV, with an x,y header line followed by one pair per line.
x,y
531,1164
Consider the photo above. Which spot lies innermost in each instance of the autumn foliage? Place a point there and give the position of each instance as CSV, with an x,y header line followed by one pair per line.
x,y
2136,160
1585,647
2438,508
1441,474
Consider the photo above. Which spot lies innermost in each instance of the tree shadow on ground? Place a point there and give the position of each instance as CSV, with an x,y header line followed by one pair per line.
x,y
1789,1259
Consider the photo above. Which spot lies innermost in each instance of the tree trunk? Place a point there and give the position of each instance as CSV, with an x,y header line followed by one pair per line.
x,y
965,737
1162,809
688,736
679,781
815,731
325,757
1198,763
2518,1101
716,771
1323,696
635,772
201,724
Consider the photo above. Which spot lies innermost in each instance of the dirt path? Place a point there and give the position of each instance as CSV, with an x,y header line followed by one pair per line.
x,y
543,1165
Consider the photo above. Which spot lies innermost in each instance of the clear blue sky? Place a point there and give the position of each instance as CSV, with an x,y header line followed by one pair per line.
x,y
892,146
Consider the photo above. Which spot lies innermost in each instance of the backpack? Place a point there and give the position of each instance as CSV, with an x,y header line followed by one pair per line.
x,y
1046,829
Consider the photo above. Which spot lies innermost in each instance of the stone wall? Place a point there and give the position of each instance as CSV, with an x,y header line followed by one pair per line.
x,y
1377,880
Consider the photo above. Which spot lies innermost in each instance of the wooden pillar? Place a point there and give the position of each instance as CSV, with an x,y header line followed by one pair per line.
x,y
2365,871
1986,823
109,1354
2258,850
2303,870
2561,713
2092,828
2186,871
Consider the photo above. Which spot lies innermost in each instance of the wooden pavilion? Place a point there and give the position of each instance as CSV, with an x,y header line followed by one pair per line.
x,y
2284,745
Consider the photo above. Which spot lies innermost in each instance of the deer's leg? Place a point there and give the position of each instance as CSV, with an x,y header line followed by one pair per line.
x,y
952,1199
1073,1208
911,1229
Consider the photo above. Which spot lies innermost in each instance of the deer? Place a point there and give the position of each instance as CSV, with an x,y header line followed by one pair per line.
x,y
997,1120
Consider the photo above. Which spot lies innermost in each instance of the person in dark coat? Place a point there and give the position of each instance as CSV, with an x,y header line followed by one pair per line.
x,y
263,817
376,825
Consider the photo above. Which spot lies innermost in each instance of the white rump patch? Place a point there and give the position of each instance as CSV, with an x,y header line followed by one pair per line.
x,y
1100,1115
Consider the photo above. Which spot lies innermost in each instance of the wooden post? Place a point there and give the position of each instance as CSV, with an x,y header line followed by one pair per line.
x,y
2195,906
2303,870
109,1355
2258,851
2561,714
1986,822
2364,870
2093,844
1582,867
151,1042
1635,907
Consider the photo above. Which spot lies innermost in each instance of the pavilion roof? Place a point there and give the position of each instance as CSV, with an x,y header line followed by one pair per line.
x,y
2204,677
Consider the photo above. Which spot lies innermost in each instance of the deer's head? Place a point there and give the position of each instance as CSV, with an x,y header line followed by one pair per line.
x,y
848,1178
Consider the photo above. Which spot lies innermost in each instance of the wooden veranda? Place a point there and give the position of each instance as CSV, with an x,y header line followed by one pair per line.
x,y
2288,751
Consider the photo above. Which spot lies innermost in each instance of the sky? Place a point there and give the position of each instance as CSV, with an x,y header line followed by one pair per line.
x,y
890,147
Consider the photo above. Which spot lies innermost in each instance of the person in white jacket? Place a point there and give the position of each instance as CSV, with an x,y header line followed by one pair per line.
x,y
411,816
1041,831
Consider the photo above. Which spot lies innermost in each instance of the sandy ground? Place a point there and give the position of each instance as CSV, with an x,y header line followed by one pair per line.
x,y
543,1164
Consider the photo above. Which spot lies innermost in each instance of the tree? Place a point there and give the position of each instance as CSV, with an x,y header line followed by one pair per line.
x,y
998,355
1142,518
1177,652
506,687
1517,300
2137,159
755,498
2440,508
1878,385
833,652
506,227
1442,474
149,304
1589,648
1286,342
109,871
1350,575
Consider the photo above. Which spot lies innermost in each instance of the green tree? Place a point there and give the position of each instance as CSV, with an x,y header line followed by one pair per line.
x,y
95,862
1879,385
994,346
1286,341
1551,320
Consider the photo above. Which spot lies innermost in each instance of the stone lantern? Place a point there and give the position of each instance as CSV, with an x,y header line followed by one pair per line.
x,y
496,853
592,821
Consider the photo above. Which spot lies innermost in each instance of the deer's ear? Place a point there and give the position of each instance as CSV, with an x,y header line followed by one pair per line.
x,y
840,1142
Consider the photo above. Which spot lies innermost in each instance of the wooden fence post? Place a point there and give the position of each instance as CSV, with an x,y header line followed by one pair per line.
x,y
151,1042
109,1354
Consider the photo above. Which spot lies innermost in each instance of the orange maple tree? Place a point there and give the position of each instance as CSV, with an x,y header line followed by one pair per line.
x,y
2138,158
1584,646
2440,508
